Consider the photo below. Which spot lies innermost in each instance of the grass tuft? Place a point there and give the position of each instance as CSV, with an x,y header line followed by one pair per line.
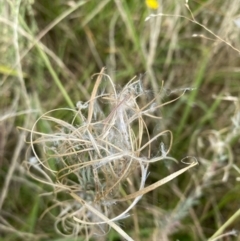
x,y
94,157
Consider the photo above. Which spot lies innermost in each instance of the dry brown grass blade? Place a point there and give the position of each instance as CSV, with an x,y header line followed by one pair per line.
x,y
103,217
93,95
157,184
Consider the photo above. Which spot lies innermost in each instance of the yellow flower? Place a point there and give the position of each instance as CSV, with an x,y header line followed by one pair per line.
x,y
153,4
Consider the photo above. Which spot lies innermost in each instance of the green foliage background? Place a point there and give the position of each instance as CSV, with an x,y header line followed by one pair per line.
x,y
49,51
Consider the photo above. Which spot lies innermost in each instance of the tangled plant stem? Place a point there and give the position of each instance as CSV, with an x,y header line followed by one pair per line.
x,y
95,156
